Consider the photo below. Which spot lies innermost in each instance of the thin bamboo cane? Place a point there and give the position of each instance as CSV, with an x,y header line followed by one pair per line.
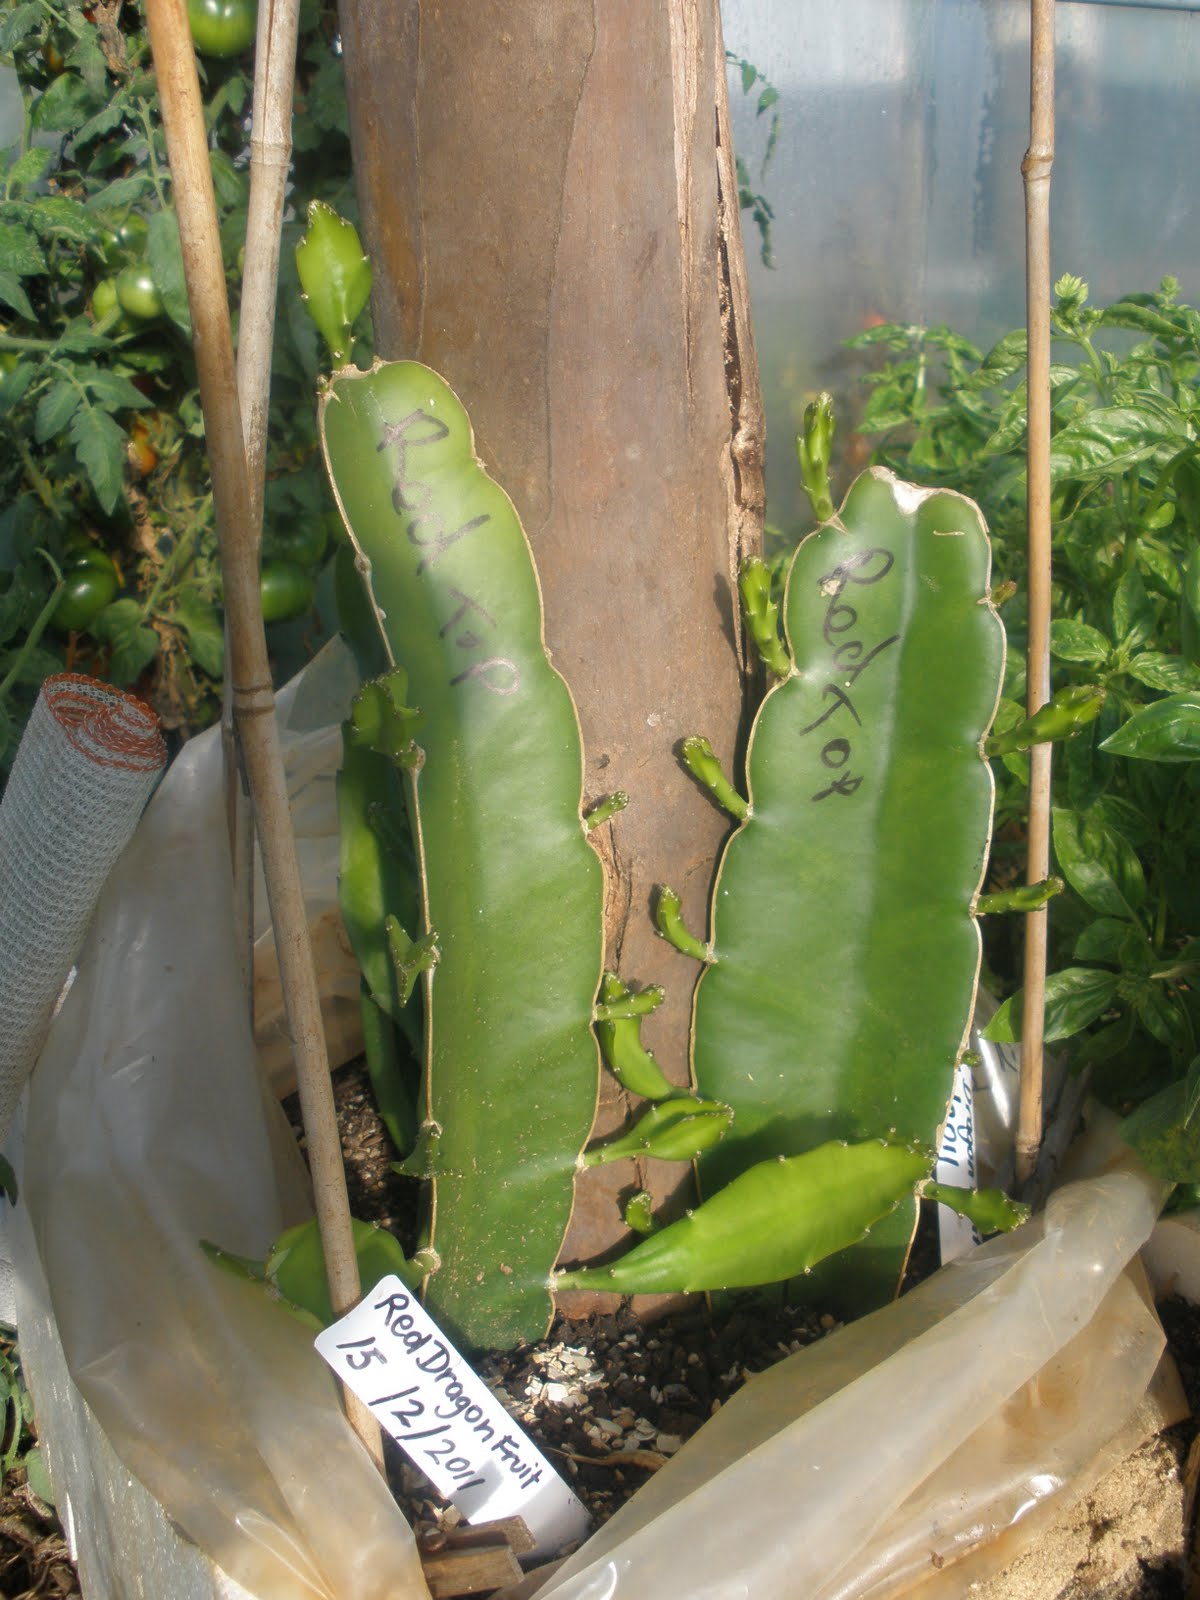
x,y
248,667
1035,169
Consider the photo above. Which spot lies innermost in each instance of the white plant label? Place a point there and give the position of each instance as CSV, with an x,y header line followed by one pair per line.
x,y
445,1418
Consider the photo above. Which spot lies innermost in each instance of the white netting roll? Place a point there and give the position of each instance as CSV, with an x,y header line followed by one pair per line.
x,y
87,763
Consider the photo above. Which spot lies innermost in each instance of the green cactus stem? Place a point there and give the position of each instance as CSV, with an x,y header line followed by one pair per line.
x,y
775,1221
606,809
679,1129
700,759
511,1068
762,615
638,1215
633,1066
989,1210
814,447
845,952
1061,717
1023,897
668,919
335,278
630,1003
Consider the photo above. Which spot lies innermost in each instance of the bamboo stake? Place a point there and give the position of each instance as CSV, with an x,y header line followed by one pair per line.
x,y
1035,169
270,155
248,666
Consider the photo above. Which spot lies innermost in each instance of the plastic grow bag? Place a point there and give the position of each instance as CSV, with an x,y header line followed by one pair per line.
x,y
148,1130
922,1431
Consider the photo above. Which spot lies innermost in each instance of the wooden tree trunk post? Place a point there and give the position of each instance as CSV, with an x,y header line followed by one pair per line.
x,y
552,217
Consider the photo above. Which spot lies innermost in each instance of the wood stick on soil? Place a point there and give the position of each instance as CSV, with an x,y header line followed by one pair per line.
x,y
1035,170
247,665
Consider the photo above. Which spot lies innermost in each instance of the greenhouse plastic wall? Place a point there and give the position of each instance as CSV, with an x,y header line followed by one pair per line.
x,y
896,181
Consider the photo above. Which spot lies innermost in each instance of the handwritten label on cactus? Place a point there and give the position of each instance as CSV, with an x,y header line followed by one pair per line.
x,y
850,654
449,1424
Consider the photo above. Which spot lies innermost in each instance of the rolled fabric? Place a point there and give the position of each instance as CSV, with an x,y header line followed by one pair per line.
x,y
87,763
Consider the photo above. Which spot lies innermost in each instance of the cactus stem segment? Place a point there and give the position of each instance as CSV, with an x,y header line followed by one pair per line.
x,y
634,1068
668,919
762,615
813,446
630,1004
990,1210
700,759
604,810
1025,897
410,957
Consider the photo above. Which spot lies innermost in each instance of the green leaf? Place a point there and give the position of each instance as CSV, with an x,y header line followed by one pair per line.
x,y
20,252
1098,863
14,385
1077,641
37,1475
100,446
57,405
205,634
29,167
1165,730
134,646
1074,997
1002,360
12,294
1139,318
164,255
1161,1014
18,24
1133,610
1101,940
1106,442
1164,1137
64,106
112,390
1158,671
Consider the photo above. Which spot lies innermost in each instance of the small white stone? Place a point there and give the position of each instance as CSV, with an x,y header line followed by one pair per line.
x,y
667,1443
557,1394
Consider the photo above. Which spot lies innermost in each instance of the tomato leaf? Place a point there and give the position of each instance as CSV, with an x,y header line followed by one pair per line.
x,y
134,646
55,408
164,255
100,446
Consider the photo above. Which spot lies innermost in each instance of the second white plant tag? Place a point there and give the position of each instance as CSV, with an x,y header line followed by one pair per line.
x,y
445,1418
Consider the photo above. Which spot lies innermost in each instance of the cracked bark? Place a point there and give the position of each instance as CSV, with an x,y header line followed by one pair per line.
x,y
549,201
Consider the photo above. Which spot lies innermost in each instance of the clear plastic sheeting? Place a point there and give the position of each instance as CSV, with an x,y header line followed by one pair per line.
x,y
147,1131
311,709
882,1460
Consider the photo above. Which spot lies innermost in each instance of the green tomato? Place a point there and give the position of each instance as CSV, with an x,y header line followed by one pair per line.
x,y
287,591
137,293
91,584
125,241
303,542
222,28
104,300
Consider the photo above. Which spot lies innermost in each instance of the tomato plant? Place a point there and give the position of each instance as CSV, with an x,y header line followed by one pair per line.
x,y
222,28
101,436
